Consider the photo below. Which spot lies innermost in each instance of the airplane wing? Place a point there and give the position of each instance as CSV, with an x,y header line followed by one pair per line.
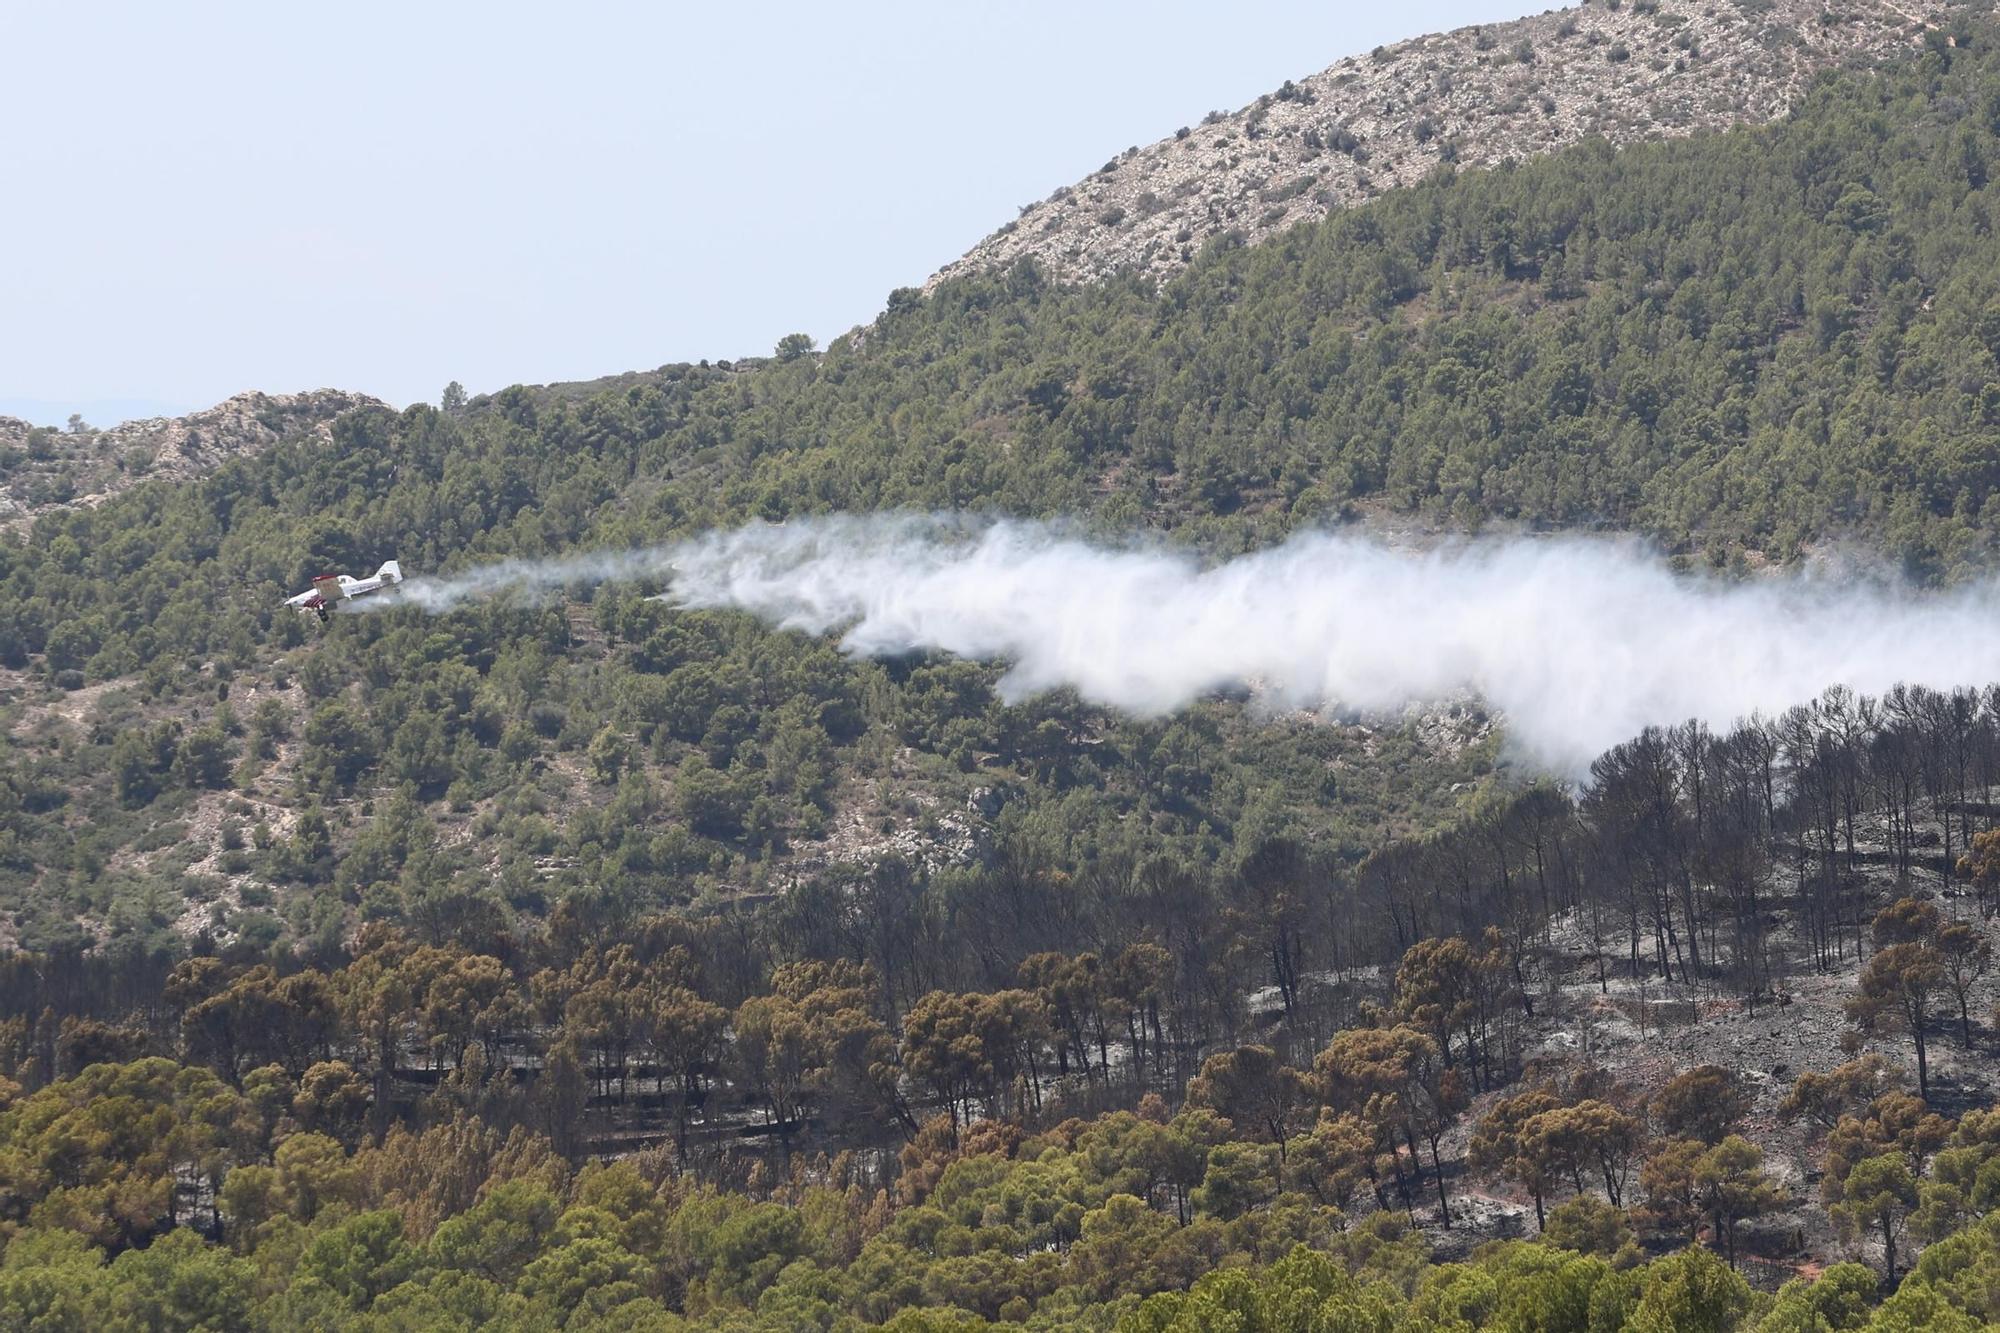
x,y
330,586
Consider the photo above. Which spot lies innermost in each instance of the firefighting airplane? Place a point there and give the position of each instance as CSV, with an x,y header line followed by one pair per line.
x,y
330,590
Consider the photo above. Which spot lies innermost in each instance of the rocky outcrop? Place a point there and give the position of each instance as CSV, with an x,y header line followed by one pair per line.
x,y
1640,69
43,469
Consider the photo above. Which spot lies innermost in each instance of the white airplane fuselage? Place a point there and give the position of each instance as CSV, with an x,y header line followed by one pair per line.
x,y
329,591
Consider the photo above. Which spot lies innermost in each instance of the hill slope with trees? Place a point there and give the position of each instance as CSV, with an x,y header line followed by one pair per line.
x,y
591,963
45,469
1476,97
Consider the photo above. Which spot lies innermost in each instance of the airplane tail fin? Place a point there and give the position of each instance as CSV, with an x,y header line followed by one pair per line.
x,y
391,572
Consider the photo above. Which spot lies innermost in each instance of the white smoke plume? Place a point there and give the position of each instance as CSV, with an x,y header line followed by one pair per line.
x,y
526,577
1580,643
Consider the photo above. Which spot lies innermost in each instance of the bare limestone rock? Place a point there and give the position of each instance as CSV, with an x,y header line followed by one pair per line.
x,y
1628,71
51,470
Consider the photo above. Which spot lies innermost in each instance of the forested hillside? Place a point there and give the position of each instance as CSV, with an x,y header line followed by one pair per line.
x,y
1478,96
43,469
1734,1008
592,963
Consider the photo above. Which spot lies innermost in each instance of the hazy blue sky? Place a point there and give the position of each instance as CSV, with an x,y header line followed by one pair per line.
x,y
206,197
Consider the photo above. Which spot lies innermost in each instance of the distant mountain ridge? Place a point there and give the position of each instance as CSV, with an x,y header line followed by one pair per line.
x,y
43,469
1642,69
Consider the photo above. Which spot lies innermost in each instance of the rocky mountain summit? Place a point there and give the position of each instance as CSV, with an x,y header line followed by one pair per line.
x,y
1625,70
43,469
